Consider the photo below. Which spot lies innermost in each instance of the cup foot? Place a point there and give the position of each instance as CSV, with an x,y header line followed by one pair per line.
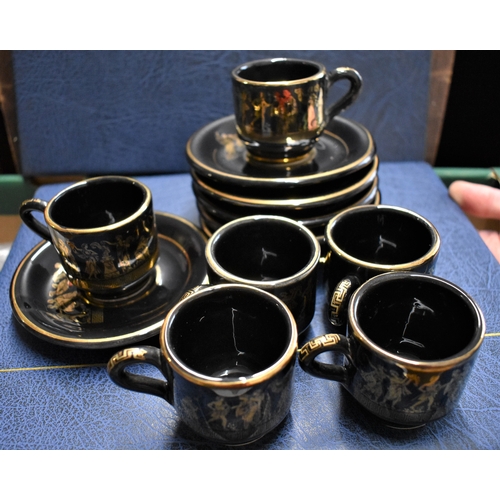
x,y
281,163
123,297
408,427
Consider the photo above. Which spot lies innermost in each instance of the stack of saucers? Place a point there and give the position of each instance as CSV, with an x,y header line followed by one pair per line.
x,y
342,174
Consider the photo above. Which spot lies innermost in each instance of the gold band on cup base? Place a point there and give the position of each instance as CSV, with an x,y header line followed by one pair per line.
x,y
282,163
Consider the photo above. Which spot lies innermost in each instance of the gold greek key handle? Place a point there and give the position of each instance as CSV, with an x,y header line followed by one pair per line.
x,y
324,343
117,371
340,299
195,289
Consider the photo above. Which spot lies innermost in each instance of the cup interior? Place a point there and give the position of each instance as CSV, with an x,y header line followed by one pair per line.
x,y
277,70
262,249
416,317
382,235
97,203
229,332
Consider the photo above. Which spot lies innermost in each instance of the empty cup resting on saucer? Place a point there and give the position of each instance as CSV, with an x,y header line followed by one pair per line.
x,y
272,253
280,106
104,231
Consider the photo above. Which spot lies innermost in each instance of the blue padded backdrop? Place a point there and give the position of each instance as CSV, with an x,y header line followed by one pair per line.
x,y
97,112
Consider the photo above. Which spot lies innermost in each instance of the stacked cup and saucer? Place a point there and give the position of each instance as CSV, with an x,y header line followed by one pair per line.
x,y
284,152
109,267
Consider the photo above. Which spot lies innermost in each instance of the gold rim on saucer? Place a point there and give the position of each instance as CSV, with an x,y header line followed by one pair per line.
x,y
299,203
220,136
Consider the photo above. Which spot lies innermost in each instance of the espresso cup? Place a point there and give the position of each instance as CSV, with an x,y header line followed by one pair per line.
x,y
369,240
104,232
280,106
227,354
273,253
412,342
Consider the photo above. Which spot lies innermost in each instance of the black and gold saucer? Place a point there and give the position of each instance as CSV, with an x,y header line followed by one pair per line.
x,y
215,214
210,222
46,303
346,188
215,152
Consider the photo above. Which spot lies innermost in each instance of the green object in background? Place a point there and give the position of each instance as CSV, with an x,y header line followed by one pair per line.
x,y
14,189
480,175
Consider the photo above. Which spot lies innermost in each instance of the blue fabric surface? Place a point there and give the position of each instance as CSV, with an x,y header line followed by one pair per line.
x,y
98,112
47,401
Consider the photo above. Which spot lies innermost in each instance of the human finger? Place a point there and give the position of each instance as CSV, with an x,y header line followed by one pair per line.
x,y
474,199
492,241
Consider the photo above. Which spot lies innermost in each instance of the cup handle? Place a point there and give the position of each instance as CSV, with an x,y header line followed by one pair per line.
x,y
118,364
340,300
195,289
318,345
25,210
350,96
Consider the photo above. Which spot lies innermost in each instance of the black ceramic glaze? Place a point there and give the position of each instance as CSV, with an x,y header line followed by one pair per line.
x,y
413,319
97,204
227,355
311,197
412,342
273,253
369,240
280,105
262,252
46,303
216,152
104,232
214,214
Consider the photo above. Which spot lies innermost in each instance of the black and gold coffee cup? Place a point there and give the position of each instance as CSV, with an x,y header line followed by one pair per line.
x,y
365,241
411,344
227,358
104,232
273,253
281,106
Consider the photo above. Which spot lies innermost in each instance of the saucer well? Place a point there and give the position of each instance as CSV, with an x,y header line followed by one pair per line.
x,y
216,152
46,303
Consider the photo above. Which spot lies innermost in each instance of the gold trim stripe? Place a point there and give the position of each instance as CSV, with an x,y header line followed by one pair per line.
x,y
291,203
61,367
